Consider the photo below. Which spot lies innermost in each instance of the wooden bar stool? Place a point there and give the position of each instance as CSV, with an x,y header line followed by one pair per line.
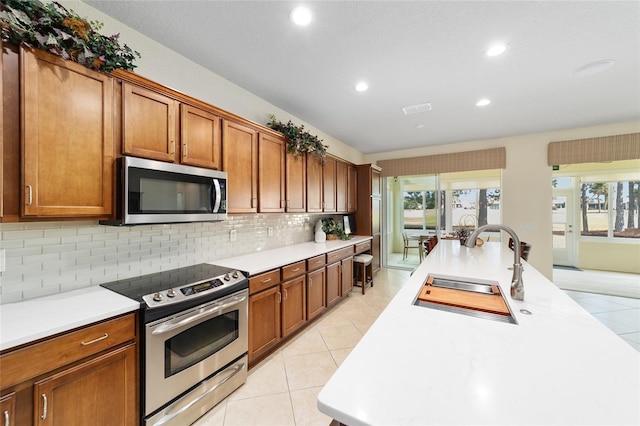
x,y
363,270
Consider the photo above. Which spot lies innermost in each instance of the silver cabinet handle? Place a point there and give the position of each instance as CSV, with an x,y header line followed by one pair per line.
x,y
279,297
173,147
266,281
295,270
94,340
6,418
185,150
286,295
310,282
30,196
44,407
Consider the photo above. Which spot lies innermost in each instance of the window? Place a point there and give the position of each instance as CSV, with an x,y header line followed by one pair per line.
x,y
609,209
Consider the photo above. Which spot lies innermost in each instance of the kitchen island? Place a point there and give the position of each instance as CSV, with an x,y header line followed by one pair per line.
x,y
421,366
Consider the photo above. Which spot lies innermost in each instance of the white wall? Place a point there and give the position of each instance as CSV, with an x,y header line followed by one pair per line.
x,y
526,180
170,69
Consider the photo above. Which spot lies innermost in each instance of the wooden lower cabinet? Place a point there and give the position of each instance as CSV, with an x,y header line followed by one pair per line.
x,y
8,409
294,305
333,283
264,321
87,376
316,293
101,391
346,277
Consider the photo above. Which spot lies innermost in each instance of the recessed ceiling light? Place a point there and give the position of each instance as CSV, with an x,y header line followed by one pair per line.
x,y
300,16
483,102
496,49
594,67
420,126
414,109
362,86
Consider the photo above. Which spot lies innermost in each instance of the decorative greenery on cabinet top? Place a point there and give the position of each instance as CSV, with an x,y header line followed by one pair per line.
x,y
53,28
299,141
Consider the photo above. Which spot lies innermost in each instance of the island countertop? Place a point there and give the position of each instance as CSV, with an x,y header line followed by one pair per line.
x,y
420,366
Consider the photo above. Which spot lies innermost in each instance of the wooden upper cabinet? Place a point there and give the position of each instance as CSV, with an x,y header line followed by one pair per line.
x,y
271,172
341,186
149,123
200,137
314,184
329,185
67,138
240,161
352,189
296,185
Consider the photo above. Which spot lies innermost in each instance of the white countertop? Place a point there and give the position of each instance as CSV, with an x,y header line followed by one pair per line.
x,y
24,322
256,263
420,366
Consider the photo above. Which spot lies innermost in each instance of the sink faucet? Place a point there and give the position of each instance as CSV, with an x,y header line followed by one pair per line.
x,y
517,288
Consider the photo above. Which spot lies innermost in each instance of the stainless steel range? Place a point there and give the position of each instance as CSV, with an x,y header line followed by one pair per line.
x,y
193,337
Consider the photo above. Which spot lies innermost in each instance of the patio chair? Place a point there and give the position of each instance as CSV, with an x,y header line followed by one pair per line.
x,y
408,245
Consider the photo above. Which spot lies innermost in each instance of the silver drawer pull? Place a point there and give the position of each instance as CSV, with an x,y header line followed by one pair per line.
x,y
44,407
295,270
94,340
6,418
266,281
30,196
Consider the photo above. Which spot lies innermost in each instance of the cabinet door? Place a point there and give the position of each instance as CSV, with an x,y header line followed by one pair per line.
x,y
315,293
264,321
294,305
200,137
346,275
376,183
352,189
8,409
296,184
67,136
333,283
341,186
329,185
149,123
240,161
271,171
102,391
376,251
314,184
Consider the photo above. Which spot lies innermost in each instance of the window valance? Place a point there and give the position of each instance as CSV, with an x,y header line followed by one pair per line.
x,y
494,158
592,150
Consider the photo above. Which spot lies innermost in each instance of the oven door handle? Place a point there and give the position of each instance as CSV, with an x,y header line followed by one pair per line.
x,y
202,312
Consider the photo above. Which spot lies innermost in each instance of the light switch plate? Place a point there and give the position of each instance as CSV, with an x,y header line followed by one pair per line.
x,y
270,231
233,235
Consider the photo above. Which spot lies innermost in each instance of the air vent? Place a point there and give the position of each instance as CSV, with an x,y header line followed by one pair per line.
x,y
414,109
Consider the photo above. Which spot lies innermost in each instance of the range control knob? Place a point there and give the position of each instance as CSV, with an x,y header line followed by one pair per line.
x,y
235,274
157,297
227,277
171,293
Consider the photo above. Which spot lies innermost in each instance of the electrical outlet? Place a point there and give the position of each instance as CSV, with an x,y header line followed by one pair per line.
x,y
270,231
306,226
233,235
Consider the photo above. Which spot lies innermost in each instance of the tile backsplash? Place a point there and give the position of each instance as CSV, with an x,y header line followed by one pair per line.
x,y
51,257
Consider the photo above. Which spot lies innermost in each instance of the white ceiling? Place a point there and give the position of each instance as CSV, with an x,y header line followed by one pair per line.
x,y
412,52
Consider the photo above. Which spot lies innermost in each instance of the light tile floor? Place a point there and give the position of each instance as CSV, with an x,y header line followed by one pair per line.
x,y
282,389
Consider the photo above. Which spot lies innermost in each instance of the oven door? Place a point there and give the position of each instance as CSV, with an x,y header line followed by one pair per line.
x,y
185,348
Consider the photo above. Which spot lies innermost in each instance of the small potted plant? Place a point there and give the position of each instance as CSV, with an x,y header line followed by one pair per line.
x,y
333,230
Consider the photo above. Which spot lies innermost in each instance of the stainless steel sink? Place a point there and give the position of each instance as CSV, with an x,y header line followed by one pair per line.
x,y
464,284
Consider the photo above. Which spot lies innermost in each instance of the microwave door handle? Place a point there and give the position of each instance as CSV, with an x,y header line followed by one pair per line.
x,y
217,196
173,324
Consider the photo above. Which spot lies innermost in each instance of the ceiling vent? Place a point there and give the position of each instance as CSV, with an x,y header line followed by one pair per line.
x,y
414,109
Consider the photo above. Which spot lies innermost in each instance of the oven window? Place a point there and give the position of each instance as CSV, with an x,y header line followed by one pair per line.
x,y
199,342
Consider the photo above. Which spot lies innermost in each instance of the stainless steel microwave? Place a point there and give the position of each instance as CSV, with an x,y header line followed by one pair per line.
x,y
149,191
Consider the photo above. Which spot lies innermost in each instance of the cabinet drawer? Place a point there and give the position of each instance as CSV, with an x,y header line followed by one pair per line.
x,y
293,270
363,246
264,281
316,262
336,255
31,361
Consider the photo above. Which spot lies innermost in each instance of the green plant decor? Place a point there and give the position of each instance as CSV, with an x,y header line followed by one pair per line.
x,y
53,28
330,226
299,141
